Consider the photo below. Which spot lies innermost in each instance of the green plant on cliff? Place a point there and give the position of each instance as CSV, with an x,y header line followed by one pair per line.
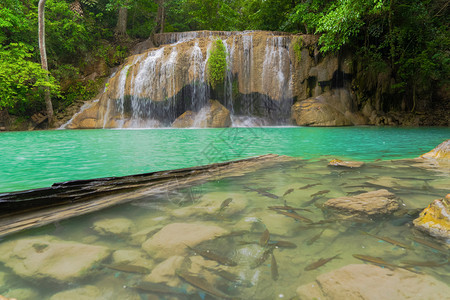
x,y
298,45
217,63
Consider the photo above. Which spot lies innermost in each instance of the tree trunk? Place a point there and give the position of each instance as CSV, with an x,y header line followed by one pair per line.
x,y
161,16
121,28
42,50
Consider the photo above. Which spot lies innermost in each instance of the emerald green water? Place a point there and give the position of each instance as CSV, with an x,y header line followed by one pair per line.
x,y
39,159
130,232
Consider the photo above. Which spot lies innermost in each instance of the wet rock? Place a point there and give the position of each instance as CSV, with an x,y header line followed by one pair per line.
x,y
114,226
186,120
435,219
46,257
87,292
22,294
368,282
379,202
132,257
442,151
174,238
328,109
165,272
213,115
210,204
347,164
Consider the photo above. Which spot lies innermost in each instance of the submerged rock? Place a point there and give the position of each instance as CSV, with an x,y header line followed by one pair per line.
x,y
442,151
46,257
358,281
87,292
113,226
378,202
22,294
347,164
166,271
213,204
435,219
174,238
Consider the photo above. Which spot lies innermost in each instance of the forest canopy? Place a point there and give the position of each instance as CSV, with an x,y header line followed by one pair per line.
x,y
410,38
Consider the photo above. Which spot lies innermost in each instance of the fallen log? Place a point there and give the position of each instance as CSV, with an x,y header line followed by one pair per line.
x,y
37,207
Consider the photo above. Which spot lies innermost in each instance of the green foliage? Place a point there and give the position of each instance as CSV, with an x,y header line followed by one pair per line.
x,y
297,47
20,78
217,63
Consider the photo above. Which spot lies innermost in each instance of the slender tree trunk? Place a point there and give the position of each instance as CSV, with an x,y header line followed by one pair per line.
x,y
42,50
121,28
160,17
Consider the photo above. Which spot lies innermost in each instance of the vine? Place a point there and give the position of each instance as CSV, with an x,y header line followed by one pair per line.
x,y
217,63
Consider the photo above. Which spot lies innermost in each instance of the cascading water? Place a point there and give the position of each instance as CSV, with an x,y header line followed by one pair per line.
x,y
155,88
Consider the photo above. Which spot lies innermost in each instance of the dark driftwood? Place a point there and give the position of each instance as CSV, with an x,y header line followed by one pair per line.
x,y
32,208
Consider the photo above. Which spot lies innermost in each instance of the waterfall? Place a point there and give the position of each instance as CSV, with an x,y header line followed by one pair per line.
x,y
156,87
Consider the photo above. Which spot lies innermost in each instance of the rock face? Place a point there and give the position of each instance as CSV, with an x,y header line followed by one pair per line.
x,y
357,282
214,115
174,238
47,257
378,202
435,219
442,151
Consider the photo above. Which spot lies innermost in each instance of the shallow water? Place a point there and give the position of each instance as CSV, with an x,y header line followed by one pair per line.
x,y
41,158
248,210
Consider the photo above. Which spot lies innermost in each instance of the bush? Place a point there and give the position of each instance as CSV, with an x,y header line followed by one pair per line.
x,y
217,63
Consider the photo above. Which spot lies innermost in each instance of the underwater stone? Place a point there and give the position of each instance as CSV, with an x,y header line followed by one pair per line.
x,y
210,204
347,164
165,272
369,282
87,292
113,226
435,219
377,202
22,294
47,257
174,238
132,257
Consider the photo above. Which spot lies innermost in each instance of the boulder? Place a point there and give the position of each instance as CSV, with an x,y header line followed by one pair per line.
x,y
113,226
174,238
442,151
359,281
186,120
347,164
213,115
435,219
45,257
327,109
379,202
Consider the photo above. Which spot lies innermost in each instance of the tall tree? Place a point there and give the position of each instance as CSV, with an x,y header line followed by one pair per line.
x,y
160,18
42,50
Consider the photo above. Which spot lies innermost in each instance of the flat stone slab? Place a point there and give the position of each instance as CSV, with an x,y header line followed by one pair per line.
x,y
377,202
369,282
174,238
46,257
